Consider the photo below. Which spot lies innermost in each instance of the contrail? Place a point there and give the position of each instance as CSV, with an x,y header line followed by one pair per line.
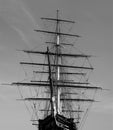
x,y
22,35
16,8
27,13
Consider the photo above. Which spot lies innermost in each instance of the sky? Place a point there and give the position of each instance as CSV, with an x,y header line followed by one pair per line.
x,y
19,18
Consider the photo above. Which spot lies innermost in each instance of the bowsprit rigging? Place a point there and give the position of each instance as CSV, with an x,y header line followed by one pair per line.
x,y
60,95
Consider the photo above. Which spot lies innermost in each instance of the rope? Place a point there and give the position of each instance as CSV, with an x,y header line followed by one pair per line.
x,y
86,114
24,101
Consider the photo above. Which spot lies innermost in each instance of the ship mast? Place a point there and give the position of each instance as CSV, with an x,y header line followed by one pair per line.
x,y
51,84
61,98
58,62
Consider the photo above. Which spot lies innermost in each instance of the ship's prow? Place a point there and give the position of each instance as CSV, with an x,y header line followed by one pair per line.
x,y
58,122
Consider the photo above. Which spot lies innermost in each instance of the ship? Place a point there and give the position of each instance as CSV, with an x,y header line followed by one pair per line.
x,y
60,94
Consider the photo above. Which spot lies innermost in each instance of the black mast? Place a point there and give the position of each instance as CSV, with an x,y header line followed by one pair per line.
x,y
50,82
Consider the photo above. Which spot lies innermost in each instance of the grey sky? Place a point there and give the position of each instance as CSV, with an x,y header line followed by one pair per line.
x,y
18,19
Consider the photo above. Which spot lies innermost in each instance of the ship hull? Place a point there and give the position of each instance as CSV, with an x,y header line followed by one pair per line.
x,y
58,122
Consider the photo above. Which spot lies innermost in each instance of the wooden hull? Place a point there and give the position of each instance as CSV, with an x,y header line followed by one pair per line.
x,y
58,122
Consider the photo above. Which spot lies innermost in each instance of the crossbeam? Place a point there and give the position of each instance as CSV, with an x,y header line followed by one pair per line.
x,y
62,54
59,85
62,99
65,66
59,20
62,73
58,33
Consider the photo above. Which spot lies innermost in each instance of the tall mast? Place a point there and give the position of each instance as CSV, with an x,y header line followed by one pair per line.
x,y
66,92
51,83
58,62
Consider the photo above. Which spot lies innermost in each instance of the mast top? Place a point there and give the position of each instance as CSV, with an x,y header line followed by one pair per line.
x,y
57,19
